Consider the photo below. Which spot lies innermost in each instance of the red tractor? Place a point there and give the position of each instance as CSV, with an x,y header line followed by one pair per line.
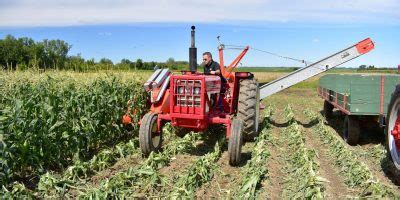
x,y
193,100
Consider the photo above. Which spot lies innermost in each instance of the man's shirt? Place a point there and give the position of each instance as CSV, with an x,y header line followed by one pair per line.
x,y
213,66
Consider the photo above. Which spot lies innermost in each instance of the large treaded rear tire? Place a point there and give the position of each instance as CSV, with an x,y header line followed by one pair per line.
x,y
392,151
351,130
235,142
248,108
149,139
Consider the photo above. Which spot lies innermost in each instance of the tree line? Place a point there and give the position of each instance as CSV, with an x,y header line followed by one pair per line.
x,y
25,53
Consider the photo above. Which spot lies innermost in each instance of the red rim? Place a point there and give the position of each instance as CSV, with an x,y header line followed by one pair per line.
x,y
396,132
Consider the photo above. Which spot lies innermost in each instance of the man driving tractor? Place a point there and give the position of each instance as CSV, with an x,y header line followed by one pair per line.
x,y
210,66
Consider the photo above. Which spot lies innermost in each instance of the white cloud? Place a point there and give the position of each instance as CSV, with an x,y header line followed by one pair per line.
x,y
315,40
80,12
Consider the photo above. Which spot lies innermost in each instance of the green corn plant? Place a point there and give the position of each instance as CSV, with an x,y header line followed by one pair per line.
x,y
255,170
57,120
268,112
17,191
289,114
81,170
50,185
78,173
143,177
376,154
356,173
303,180
200,172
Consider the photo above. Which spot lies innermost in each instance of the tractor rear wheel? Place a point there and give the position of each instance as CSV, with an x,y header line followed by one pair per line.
x,y
235,142
150,138
392,130
249,108
328,110
351,129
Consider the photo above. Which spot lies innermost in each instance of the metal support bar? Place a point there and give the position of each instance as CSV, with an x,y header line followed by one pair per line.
x,y
228,71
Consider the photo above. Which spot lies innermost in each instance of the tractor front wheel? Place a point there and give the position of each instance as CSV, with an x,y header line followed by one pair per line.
x,y
150,138
235,142
351,129
392,130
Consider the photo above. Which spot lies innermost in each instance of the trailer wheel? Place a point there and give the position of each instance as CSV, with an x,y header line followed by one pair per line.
x,y
235,142
249,108
351,130
328,109
392,130
149,138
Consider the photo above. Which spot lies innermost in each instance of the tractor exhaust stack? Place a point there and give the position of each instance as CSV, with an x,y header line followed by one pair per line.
x,y
192,53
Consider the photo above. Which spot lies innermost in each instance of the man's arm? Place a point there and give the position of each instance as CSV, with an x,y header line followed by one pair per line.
x,y
216,72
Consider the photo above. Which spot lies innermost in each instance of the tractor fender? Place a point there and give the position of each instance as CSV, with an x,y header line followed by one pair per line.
x,y
161,106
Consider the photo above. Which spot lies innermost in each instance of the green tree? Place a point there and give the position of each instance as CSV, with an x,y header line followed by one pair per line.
x,y
170,62
139,64
124,64
11,52
38,56
126,61
26,50
371,67
56,52
106,63
91,64
152,65
76,63
2,55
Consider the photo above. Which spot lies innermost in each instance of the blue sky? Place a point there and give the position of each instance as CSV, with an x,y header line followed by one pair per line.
x,y
157,30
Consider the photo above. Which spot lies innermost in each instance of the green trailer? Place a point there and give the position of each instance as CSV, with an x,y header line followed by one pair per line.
x,y
361,97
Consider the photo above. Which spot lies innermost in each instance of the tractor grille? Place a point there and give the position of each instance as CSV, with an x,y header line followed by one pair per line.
x,y
187,92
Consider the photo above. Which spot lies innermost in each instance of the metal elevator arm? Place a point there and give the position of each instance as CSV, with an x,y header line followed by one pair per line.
x,y
316,68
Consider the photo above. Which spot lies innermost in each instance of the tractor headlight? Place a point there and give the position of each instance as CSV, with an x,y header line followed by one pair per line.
x,y
196,90
180,90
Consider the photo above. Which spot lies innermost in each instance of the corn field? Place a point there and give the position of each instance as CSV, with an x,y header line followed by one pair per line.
x,y
56,120
61,136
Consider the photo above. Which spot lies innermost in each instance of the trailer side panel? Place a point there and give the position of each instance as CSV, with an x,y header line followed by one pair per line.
x,y
360,94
